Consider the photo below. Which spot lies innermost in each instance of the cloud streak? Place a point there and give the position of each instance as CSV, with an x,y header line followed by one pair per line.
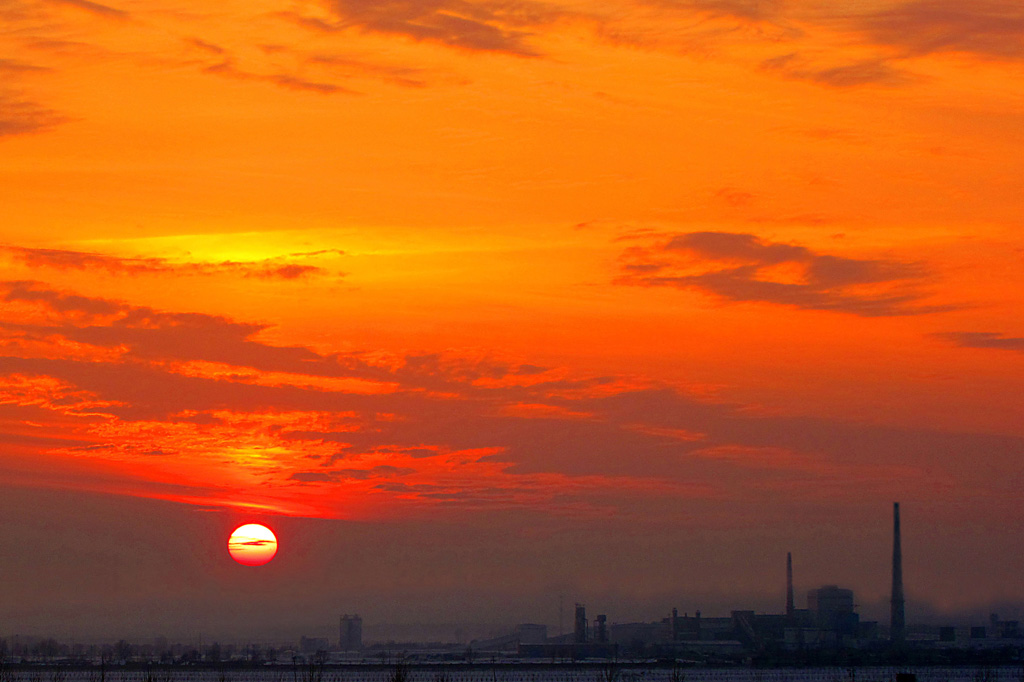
x,y
987,28
739,267
448,433
986,340
15,67
62,259
754,10
283,80
856,74
476,26
22,117
355,68
94,8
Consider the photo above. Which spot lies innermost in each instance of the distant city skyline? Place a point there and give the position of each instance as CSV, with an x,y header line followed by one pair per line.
x,y
803,597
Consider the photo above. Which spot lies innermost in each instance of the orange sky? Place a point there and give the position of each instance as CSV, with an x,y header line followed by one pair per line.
x,y
713,265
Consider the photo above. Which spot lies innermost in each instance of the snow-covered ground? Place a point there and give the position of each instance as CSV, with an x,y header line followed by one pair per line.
x,y
561,673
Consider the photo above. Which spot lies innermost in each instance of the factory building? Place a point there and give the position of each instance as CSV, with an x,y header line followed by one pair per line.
x,y
832,609
351,633
531,633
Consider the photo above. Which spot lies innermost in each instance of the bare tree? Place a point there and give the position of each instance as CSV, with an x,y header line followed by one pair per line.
x,y
313,671
400,672
5,670
677,674
610,670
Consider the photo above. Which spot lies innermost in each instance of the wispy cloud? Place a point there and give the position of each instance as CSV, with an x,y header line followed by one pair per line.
x,y
94,8
480,26
63,259
86,377
757,10
284,80
14,66
57,301
987,28
350,67
380,471
206,46
991,340
864,72
22,117
743,267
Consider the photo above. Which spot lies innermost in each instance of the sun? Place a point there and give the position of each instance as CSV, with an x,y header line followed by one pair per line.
x,y
252,544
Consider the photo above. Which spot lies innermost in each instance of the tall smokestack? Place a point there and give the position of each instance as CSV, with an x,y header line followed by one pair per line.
x,y
897,626
790,607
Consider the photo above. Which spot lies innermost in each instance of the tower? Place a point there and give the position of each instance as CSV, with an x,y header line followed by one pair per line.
x,y
581,624
897,625
351,635
790,607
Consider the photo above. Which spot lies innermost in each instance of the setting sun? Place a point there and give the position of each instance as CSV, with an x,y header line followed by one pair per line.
x,y
252,544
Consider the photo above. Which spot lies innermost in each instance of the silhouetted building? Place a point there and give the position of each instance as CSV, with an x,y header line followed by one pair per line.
x,y
312,645
832,610
999,634
579,645
530,633
829,600
503,643
351,638
580,632
1005,629
637,634
685,627
743,628
897,623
